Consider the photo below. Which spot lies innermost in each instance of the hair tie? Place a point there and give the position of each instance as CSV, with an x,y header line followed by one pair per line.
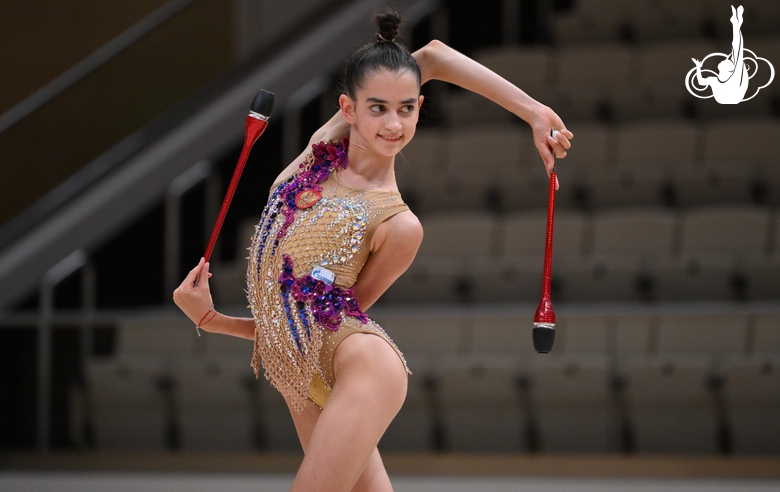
x,y
381,38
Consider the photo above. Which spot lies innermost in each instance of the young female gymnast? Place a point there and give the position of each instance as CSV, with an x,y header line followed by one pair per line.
x,y
333,237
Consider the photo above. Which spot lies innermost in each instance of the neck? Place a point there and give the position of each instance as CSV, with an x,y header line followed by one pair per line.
x,y
368,170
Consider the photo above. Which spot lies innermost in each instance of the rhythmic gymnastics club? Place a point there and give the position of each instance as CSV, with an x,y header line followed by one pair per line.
x,y
256,123
544,319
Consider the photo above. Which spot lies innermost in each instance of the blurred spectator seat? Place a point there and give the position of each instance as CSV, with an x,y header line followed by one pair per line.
x,y
127,404
214,405
480,405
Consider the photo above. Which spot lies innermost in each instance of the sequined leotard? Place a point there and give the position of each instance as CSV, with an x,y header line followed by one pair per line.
x,y
313,230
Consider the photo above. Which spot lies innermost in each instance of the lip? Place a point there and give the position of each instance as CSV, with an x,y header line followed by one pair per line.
x,y
389,139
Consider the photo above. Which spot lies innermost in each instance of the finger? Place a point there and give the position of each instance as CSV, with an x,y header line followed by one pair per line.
x,y
563,140
557,148
194,272
547,156
557,184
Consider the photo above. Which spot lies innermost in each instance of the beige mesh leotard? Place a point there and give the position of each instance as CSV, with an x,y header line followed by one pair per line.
x,y
312,241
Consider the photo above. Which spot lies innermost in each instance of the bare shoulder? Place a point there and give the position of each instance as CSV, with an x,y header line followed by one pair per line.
x,y
402,231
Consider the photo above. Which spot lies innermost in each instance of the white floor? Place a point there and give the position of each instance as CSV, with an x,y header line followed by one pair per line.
x,y
171,482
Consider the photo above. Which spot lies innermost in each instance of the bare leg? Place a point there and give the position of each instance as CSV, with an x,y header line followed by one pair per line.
x,y
340,441
374,477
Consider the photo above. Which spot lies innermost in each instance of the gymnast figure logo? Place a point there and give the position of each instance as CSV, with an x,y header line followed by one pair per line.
x,y
730,84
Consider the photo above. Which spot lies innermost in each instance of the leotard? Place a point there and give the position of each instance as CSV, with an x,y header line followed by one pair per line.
x,y
313,230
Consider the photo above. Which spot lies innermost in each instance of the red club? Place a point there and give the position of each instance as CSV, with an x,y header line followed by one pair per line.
x,y
544,319
256,123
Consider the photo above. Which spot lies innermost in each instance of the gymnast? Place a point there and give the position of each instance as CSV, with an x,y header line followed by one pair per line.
x,y
334,235
731,84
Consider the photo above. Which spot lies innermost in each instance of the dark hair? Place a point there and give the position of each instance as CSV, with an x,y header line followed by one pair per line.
x,y
384,53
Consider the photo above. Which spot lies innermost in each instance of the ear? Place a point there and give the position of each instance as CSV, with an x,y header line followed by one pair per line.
x,y
347,108
420,101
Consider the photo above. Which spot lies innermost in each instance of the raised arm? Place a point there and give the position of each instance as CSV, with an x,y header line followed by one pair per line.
x,y
440,62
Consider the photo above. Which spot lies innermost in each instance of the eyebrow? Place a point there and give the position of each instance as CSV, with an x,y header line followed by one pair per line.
x,y
382,101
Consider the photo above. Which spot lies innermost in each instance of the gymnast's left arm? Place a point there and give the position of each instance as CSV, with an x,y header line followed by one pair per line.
x,y
393,247
440,62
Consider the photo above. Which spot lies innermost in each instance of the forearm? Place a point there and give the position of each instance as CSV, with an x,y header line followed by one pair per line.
x,y
229,325
438,61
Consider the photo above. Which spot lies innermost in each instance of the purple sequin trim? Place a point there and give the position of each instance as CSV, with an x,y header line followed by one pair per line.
x,y
327,157
327,302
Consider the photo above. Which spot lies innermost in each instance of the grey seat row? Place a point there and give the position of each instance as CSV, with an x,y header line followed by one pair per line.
x,y
669,162
650,20
617,82
626,254
685,382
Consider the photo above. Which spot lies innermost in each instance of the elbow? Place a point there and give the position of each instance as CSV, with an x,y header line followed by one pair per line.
x,y
432,51
427,58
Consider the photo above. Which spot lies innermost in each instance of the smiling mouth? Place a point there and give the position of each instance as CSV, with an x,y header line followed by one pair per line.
x,y
391,139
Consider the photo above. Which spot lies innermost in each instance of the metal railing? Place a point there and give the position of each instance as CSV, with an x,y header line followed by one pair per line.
x,y
91,63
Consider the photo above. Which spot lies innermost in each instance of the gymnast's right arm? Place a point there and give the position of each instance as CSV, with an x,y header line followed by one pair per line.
x,y
335,128
195,302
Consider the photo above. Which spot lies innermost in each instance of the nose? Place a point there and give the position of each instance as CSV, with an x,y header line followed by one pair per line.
x,y
392,123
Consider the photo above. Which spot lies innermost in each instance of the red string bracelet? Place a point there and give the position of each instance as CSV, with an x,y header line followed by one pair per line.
x,y
201,323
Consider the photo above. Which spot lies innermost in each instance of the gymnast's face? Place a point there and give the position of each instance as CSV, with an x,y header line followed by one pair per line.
x,y
384,115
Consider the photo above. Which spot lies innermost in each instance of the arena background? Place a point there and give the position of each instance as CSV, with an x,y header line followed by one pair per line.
x,y
120,125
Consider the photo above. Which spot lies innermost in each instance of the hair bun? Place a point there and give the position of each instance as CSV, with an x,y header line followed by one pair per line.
x,y
388,23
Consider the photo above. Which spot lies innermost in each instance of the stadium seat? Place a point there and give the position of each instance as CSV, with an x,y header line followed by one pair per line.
x,y
228,283
632,334
665,19
587,78
428,335
496,156
420,172
645,232
716,246
412,430
277,428
671,409
591,20
441,271
516,274
766,337
583,335
752,396
480,405
168,339
714,335
648,156
572,403
214,404
660,90
591,163
127,404
501,334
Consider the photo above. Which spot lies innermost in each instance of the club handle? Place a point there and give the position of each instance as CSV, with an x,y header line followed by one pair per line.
x,y
256,123
549,237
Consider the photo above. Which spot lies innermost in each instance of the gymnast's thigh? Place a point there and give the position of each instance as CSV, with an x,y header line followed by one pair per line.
x,y
305,422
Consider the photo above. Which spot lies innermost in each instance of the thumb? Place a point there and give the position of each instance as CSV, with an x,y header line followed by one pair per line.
x,y
204,275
